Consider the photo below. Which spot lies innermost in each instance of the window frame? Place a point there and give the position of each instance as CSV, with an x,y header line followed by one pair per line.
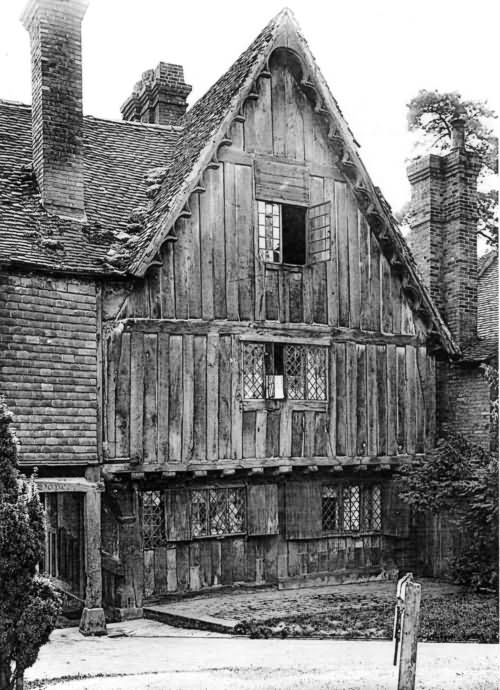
x,y
363,488
265,375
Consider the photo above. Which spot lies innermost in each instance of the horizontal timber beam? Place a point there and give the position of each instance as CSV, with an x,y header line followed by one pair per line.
x,y
258,465
263,330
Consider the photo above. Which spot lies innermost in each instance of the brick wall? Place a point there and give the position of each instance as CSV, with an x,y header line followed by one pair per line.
x,y
487,303
48,365
464,402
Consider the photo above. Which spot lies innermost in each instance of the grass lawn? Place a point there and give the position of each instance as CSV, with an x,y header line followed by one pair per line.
x,y
451,617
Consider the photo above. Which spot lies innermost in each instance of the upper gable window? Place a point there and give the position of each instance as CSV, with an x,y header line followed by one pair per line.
x,y
294,234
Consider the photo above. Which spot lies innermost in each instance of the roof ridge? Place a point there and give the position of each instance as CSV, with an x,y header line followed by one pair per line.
x,y
148,125
8,102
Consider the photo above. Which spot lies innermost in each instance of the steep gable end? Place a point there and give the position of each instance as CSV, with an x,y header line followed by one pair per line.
x,y
208,128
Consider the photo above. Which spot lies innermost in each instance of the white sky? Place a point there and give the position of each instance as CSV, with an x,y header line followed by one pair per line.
x,y
375,54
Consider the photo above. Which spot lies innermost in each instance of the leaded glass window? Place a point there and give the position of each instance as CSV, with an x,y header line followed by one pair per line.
x,y
253,370
217,511
352,508
153,519
269,231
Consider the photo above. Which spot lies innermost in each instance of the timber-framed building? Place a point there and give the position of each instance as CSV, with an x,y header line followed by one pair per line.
x,y
216,342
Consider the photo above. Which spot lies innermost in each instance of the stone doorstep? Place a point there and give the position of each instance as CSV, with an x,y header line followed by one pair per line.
x,y
162,614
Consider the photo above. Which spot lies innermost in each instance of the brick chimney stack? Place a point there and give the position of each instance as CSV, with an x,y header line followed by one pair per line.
x,y
443,235
54,27
159,97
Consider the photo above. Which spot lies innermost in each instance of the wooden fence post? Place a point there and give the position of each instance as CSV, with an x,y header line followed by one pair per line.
x,y
409,593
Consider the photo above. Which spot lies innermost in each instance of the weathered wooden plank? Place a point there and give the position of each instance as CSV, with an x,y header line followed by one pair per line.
x,y
181,269
175,405
294,141
272,295
309,432
230,200
352,384
123,399
303,509
237,136
422,398
411,400
212,396
273,434
208,227
150,427
236,395
386,295
249,132
260,433
401,379
343,252
332,401
263,120
200,397
206,575
354,261
431,407
361,401
113,359
364,271
149,573
227,561
382,399
331,265
188,398
225,396
278,98
216,562
262,509
194,567
374,283
320,434
371,378
167,281
244,230
160,570
285,444
177,515
163,397
171,569
154,286
216,181
239,559
341,404
392,400
194,259
295,299
248,430
318,270
182,563
396,304
298,429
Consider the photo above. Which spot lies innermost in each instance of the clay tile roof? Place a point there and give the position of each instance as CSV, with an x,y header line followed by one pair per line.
x,y
117,156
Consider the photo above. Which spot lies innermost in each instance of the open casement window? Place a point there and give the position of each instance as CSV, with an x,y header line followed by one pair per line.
x,y
351,508
294,235
276,371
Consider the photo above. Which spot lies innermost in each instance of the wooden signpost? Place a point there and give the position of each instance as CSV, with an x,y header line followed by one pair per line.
x,y
406,625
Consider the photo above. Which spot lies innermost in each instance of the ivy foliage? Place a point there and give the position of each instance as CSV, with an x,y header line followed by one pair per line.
x,y
28,603
460,479
429,116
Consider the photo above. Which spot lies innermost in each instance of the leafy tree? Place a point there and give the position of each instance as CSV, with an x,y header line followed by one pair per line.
x,y
460,479
430,114
28,603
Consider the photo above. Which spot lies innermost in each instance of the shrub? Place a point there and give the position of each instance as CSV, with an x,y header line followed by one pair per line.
x,y
28,603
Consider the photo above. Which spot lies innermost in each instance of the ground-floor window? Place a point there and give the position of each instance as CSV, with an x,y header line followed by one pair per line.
x,y
351,508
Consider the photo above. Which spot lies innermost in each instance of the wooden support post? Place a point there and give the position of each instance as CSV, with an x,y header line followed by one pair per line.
x,y
93,621
409,602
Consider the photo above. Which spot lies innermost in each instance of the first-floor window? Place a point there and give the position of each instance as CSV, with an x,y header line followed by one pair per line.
x,y
277,370
153,519
351,508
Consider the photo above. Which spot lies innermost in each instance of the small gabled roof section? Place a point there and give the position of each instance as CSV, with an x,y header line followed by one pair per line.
x,y
206,128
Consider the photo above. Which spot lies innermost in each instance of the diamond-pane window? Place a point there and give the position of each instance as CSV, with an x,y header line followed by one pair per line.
x,y
236,509
316,373
253,370
153,520
295,372
199,513
330,508
350,506
372,508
